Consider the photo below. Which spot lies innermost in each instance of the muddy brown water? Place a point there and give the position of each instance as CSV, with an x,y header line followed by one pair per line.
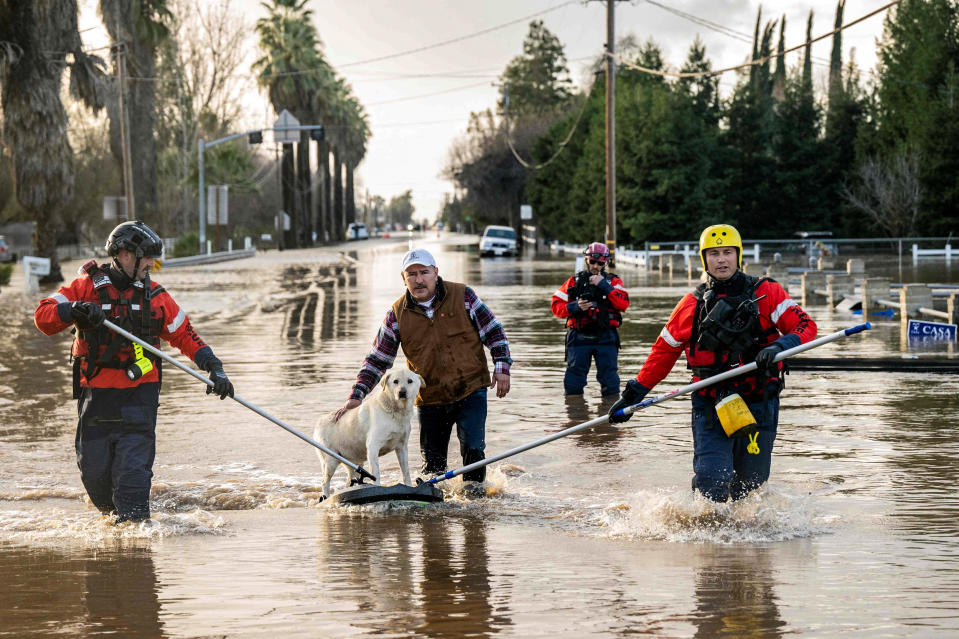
x,y
595,534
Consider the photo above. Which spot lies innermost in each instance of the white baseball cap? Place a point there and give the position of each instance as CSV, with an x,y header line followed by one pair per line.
x,y
418,256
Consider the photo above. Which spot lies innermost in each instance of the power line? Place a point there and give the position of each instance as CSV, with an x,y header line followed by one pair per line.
x,y
460,38
758,61
704,22
429,95
427,47
714,26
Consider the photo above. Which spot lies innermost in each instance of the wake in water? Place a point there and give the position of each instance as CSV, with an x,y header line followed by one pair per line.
x,y
765,515
57,525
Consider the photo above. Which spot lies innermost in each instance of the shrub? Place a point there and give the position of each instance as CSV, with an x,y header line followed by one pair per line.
x,y
187,245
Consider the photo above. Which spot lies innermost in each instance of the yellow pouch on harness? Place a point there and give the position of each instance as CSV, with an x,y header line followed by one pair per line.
x,y
734,415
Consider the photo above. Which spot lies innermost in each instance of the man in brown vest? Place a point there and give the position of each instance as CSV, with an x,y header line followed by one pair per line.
x,y
443,327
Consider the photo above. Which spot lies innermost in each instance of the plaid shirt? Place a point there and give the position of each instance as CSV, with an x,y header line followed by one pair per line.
x,y
388,339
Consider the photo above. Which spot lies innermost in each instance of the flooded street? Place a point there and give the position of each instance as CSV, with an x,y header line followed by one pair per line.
x,y
596,534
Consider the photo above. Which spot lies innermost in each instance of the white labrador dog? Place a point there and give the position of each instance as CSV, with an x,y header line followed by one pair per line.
x,y
380,424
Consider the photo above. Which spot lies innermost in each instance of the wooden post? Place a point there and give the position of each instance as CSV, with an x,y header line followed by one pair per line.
x,y
952,307
855,267
874,288
914,296
676,265
811,280
838,286
779,272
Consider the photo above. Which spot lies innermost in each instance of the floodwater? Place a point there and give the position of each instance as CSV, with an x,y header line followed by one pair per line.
x,y
596,534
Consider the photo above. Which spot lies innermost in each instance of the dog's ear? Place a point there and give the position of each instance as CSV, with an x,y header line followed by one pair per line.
x,y
420,377
385,380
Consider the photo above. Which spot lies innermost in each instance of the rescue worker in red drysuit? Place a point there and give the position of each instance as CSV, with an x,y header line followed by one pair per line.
x,y
592,302
118,392
731,319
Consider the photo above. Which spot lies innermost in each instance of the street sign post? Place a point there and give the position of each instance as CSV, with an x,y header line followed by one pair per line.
x,y
284,129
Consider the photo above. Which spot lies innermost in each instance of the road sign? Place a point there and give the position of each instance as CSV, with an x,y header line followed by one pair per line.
x,y
920,331
526,212
289,136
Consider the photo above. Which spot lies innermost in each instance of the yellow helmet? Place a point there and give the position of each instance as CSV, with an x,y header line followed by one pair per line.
x,y
720,235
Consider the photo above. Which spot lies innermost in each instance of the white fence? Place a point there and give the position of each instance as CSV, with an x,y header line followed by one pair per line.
x,y
918,252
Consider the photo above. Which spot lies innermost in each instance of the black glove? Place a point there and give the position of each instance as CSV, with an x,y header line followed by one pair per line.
x,y
222,385
765,357
86,315
632,394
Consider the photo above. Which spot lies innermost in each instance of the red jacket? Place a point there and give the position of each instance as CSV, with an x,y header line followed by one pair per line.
x,y
564,304
53,316
778,315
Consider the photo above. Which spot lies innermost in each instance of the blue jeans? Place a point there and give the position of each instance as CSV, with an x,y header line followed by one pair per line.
x,y
436,426
722,466
580,350
116,446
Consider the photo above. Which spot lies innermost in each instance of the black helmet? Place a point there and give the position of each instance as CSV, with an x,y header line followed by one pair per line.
x,y
136,237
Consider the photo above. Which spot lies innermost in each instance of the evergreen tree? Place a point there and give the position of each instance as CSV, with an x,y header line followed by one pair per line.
x,y
916,105
750,166
536,82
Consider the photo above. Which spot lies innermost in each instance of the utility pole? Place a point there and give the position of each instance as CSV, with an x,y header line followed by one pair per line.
x,y
611,131
124,132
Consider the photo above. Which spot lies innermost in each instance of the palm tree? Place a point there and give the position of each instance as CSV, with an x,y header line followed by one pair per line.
x,y
357,134
137,28
35,38
347,144
293,71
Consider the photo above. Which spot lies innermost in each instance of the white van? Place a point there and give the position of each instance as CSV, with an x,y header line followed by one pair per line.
x,y
498,240
357,231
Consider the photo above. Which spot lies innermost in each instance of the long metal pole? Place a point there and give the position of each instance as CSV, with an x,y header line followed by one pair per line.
x,y
186,369
709,381
611,131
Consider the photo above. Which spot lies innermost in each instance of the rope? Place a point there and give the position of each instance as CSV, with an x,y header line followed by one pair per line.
x,y
562,145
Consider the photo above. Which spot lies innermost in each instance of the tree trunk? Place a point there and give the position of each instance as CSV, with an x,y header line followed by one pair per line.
x,y
350,195
339,215
321,209
288,181
304,187
328,193
34,120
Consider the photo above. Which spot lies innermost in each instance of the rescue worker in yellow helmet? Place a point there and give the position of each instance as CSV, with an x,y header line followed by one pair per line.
x,y
730,319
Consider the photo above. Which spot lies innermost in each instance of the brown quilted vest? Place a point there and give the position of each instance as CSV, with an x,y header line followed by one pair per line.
x,y
445,351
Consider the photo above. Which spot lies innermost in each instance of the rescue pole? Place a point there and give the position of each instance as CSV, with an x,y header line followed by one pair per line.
x,y
690,388
186,369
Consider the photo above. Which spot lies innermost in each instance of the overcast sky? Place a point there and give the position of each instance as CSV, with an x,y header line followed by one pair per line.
x,y
419,103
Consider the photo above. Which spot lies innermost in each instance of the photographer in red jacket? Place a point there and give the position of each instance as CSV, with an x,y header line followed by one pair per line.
x,y
116,383
592,303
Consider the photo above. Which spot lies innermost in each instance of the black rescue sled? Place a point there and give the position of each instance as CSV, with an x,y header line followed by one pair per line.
x,y
370,493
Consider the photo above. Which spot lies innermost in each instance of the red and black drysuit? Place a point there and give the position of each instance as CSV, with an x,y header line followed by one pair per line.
x,y
116,430
592,333
720,325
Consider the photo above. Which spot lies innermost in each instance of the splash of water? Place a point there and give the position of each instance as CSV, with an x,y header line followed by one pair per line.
x,y
89,527
684,516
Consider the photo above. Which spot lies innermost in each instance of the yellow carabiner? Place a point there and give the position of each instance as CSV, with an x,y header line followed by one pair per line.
x,y
753,448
